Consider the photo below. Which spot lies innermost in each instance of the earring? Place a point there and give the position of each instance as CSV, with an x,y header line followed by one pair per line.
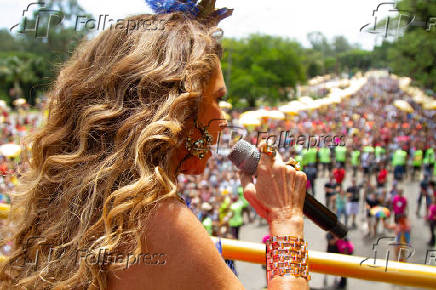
x,y
199,147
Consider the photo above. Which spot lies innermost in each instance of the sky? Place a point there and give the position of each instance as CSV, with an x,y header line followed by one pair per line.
x,y
286,18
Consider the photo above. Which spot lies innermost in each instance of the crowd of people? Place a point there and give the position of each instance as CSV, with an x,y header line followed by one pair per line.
x,y
367,138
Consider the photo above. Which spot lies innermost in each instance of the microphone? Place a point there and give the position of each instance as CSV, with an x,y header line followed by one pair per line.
x,y
246,158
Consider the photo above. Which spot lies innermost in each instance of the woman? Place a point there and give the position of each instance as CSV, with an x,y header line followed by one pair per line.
x,y
124,116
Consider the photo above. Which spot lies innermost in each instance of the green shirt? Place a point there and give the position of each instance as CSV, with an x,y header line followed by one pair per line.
x,y
236,219
207,223
299,159
340,201
304,157
225,207
355,158
399,157
311,155
368,149
241,196
341,153
379,151
324,155
417,158
429,156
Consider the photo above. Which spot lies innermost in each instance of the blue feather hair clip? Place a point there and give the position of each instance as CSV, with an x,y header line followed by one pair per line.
x,y
203,11
169,6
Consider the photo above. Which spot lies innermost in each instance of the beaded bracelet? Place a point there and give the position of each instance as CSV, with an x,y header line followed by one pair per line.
x,y
285,256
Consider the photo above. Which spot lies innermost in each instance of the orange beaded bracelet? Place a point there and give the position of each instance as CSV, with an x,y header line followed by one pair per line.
x,y
285,256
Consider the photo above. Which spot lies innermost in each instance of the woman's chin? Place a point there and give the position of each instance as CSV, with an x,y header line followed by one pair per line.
x,y
198,167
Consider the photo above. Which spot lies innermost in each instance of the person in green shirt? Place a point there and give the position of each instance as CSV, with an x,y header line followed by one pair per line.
x,y
304,155
225,207
311,156
207,222
399,163
429,160
341,155
247,209
324,158
299,159
236,221
380,157
416,161
355,160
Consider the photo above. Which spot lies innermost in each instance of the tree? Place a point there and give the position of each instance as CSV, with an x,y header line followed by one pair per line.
x,y
340,44
414,54
261,67
30,63
319,42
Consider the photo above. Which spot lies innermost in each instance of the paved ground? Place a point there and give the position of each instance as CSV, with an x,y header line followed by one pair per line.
x,y
253,276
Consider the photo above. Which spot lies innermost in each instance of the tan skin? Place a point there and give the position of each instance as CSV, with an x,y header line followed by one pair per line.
x,y
192,261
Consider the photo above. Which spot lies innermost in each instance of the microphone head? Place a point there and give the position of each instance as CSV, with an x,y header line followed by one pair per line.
x,y
245,156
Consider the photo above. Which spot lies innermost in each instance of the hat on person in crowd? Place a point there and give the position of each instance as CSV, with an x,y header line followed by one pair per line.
x,y
195,200
223,230
224,191
204,184
206,206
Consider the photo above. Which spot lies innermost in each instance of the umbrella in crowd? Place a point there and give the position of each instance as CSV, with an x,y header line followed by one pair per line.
x,y
403,106
380,212
19,102
225,105
274,114
10,150
249,118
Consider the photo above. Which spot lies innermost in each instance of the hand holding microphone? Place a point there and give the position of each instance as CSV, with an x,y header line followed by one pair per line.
x,y
280,191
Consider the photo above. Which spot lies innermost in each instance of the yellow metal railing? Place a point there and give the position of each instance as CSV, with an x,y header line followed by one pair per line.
x,y
407,274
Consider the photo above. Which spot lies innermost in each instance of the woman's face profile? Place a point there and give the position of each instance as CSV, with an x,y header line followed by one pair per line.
x,y
209,113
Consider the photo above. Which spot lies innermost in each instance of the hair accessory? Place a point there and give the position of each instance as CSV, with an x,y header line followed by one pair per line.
x,y
169,6
203,11
199,147
285,256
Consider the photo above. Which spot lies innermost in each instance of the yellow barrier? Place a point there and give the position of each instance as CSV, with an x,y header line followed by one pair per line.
x,y
4,210
406,274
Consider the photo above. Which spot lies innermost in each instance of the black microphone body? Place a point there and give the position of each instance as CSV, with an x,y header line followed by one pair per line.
x,y
246,157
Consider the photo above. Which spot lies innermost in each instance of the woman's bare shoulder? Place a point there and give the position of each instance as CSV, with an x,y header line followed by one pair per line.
x,y
180,255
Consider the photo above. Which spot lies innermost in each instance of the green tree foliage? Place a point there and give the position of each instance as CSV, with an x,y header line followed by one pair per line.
x,y
355,59
29,63
414,54
261,67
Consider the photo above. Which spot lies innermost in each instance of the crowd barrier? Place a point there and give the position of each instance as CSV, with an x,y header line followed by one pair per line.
x,y
406,274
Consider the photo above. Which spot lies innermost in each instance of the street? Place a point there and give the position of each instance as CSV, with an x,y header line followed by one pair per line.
x,y
253,276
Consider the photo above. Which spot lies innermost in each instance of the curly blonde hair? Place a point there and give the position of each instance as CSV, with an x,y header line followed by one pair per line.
x,y
101,163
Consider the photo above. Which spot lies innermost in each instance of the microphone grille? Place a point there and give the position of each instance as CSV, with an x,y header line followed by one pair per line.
x,y
245,156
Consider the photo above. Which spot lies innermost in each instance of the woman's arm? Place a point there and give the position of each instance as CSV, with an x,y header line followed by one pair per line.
x,y
287,223
192,261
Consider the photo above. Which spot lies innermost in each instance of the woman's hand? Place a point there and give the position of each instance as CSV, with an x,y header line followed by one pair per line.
x,y
279,191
